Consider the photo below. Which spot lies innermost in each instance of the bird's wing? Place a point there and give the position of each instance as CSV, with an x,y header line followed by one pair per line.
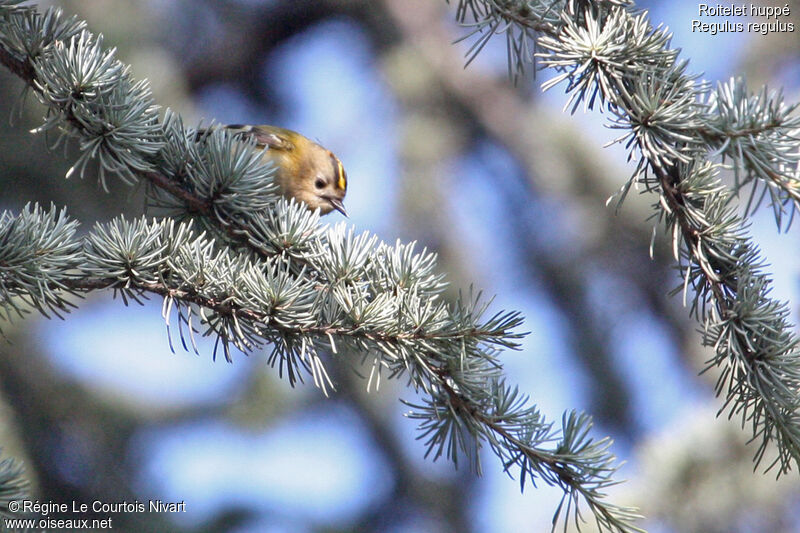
x,y
265,136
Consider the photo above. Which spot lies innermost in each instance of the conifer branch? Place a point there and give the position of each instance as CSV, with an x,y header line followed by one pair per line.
x,y
253,269
674,126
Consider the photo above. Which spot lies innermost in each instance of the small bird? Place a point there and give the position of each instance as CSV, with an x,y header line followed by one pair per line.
x,y
305,170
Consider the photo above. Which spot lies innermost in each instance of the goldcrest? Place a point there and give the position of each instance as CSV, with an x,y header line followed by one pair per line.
x,y
304,170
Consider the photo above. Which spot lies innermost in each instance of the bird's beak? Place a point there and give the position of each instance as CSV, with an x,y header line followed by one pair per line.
x,y
338,205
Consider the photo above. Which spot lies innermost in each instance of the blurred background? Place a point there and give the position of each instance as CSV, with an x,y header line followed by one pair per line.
x,y
506,188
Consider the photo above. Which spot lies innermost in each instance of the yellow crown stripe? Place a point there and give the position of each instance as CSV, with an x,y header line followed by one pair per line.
x,y
342,183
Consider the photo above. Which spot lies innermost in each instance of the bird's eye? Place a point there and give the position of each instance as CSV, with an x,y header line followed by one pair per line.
x,y
320,183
